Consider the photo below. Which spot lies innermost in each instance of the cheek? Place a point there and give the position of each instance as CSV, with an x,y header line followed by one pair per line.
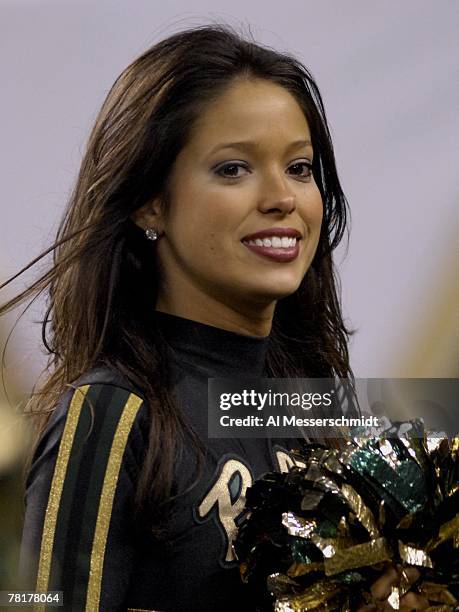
x,y
312,218
319,215
200,222
317,207
217,212
312,210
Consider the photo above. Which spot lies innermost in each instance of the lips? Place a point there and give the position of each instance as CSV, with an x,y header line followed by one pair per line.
x,y
289,232
277,244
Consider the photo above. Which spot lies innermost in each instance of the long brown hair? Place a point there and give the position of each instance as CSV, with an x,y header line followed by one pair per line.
x,y
102,285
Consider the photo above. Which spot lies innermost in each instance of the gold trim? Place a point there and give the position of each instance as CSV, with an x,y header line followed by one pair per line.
x,y
57,484
106,500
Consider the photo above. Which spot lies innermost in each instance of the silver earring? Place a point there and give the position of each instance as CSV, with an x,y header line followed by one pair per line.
x,y
151,233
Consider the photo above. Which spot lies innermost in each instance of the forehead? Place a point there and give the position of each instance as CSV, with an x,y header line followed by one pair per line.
x,y
250,109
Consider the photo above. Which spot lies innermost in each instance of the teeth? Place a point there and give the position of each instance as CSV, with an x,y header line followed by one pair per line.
x,y
285,242
274,242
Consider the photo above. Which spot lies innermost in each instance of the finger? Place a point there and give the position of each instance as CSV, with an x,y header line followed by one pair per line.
x,y
381,588
411,574
412,601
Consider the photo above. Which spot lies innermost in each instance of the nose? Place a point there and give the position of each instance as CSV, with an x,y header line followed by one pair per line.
x,y
276,197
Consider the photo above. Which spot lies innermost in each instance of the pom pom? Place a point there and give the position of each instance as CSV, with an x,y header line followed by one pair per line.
x,y
317,538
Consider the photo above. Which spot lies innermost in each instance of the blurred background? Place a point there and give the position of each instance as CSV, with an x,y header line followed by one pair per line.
x,y
388,75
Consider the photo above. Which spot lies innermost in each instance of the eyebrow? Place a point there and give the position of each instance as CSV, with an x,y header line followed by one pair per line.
x,y
250,145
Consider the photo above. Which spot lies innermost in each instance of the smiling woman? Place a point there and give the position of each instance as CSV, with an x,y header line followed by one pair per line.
x,y
244,217
197,244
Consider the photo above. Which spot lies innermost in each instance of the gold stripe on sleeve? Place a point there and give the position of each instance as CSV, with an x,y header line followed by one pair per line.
x,y
106,500
57,484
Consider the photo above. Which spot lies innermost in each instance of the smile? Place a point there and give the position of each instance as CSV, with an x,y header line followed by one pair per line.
x,y
273,241
269,248
277,243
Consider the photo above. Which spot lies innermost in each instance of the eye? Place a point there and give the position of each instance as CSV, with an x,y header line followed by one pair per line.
x,y
301,169
232,170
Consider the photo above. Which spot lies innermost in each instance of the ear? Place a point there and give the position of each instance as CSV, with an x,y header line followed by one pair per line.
x,y
148,215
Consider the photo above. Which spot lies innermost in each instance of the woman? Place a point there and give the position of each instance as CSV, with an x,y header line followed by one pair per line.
x,y
197,243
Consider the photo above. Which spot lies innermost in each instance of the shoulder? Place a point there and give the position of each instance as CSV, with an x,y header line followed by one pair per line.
x,y
82,483
104,391
105,375
100,415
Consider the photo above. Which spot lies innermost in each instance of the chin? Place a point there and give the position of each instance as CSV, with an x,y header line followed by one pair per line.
x,y
278,290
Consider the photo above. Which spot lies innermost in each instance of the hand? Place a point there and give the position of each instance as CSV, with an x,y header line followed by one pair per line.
x,y
381,589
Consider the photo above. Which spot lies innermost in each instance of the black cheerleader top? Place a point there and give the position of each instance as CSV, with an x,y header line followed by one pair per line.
x,y
79,534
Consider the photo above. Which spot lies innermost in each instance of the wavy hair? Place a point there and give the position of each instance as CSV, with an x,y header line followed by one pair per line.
x,y
102,285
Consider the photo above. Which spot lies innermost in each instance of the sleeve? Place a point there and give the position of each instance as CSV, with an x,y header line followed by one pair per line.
x,y
79,535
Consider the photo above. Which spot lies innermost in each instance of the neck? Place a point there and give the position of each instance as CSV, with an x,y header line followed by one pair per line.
x,y
245,319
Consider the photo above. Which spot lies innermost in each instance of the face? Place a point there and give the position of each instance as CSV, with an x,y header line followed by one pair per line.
x,y
244,213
